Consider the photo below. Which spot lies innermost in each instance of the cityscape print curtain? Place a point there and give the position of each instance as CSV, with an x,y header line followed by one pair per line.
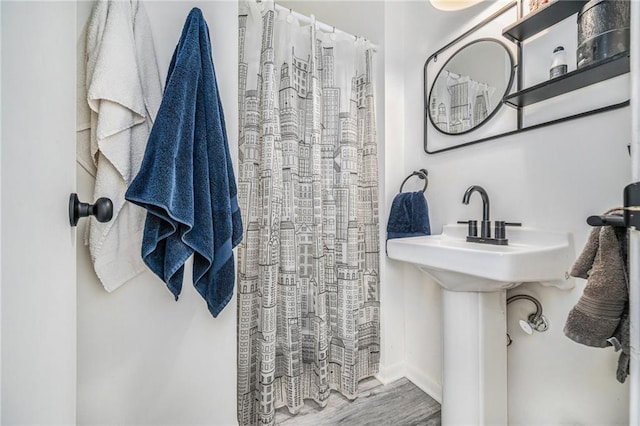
x,y
458,103
308,267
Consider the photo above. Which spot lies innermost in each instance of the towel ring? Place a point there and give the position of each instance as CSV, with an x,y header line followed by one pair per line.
x,y
422,174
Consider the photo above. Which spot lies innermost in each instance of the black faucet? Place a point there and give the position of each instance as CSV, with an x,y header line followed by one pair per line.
x,y
485,229
500,237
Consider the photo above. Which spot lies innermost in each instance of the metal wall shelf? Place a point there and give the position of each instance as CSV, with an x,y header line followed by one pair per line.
x,y
541,19
526,27
582,77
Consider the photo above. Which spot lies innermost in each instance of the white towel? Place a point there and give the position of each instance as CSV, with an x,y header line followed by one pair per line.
x,y
124,93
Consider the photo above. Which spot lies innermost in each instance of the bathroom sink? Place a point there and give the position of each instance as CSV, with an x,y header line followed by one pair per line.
x,y
532,255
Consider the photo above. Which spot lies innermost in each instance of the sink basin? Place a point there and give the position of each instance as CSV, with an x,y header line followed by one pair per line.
x,y
457,265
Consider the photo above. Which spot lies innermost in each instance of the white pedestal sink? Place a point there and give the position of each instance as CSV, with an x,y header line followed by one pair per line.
x,y
475,278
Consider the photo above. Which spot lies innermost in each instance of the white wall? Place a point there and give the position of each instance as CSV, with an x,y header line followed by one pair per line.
x,y
392,280
142,357
0,218
549,178
38,256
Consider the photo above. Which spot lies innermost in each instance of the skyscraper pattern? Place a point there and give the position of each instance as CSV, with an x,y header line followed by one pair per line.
x,y
308,267
457,103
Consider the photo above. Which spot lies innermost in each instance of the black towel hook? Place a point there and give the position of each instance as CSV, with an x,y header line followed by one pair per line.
x,y
607,220
422,174
630,217
102,209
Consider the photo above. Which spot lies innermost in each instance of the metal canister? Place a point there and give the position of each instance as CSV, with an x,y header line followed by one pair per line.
x,y
603,30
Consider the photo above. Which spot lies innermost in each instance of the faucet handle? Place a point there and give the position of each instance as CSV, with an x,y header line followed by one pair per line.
x,y
473,228
500,231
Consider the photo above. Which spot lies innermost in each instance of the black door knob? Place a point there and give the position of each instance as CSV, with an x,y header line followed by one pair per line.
x,y
102,209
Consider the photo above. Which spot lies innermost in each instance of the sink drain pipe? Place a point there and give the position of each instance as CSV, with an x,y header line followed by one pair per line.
x,y
535,321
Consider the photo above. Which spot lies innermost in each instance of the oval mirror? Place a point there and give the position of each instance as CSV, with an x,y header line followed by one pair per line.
x,y
469,88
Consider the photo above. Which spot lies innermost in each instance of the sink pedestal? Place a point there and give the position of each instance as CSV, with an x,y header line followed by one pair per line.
x,y
475,358
474,278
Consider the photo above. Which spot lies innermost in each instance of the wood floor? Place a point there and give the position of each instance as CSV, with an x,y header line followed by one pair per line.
x,y
400,403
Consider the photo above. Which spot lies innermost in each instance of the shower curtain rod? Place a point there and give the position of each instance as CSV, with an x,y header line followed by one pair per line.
x,y
319,25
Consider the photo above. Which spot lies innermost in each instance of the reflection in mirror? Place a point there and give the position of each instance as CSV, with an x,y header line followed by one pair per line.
x,y
469,88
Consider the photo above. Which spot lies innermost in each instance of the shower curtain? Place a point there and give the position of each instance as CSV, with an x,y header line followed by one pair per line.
x,y
458,103
308,267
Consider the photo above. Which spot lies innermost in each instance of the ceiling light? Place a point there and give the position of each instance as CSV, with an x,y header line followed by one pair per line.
x,y
453,4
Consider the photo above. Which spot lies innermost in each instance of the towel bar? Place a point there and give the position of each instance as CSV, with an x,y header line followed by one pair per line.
x,y
422,174
631,215
617,221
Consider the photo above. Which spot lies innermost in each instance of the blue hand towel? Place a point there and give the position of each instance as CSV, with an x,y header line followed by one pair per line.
x,y
186,179
409,216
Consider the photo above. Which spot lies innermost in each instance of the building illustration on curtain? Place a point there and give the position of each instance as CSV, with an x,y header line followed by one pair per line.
x,y
308,284
458,103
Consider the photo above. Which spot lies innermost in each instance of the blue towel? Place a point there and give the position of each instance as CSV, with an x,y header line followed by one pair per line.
x,y
186,179
409,216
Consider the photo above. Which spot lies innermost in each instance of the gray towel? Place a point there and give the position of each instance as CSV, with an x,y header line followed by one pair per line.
x,y
599,317
622,333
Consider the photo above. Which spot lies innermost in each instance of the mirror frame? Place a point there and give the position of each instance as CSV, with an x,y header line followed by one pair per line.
x,y
495,110
514,51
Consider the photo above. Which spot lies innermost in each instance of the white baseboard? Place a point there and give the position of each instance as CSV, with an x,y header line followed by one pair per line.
x,y
391,373
427,384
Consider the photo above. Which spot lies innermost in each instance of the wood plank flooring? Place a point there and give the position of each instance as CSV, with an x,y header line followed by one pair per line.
x,y
400,403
